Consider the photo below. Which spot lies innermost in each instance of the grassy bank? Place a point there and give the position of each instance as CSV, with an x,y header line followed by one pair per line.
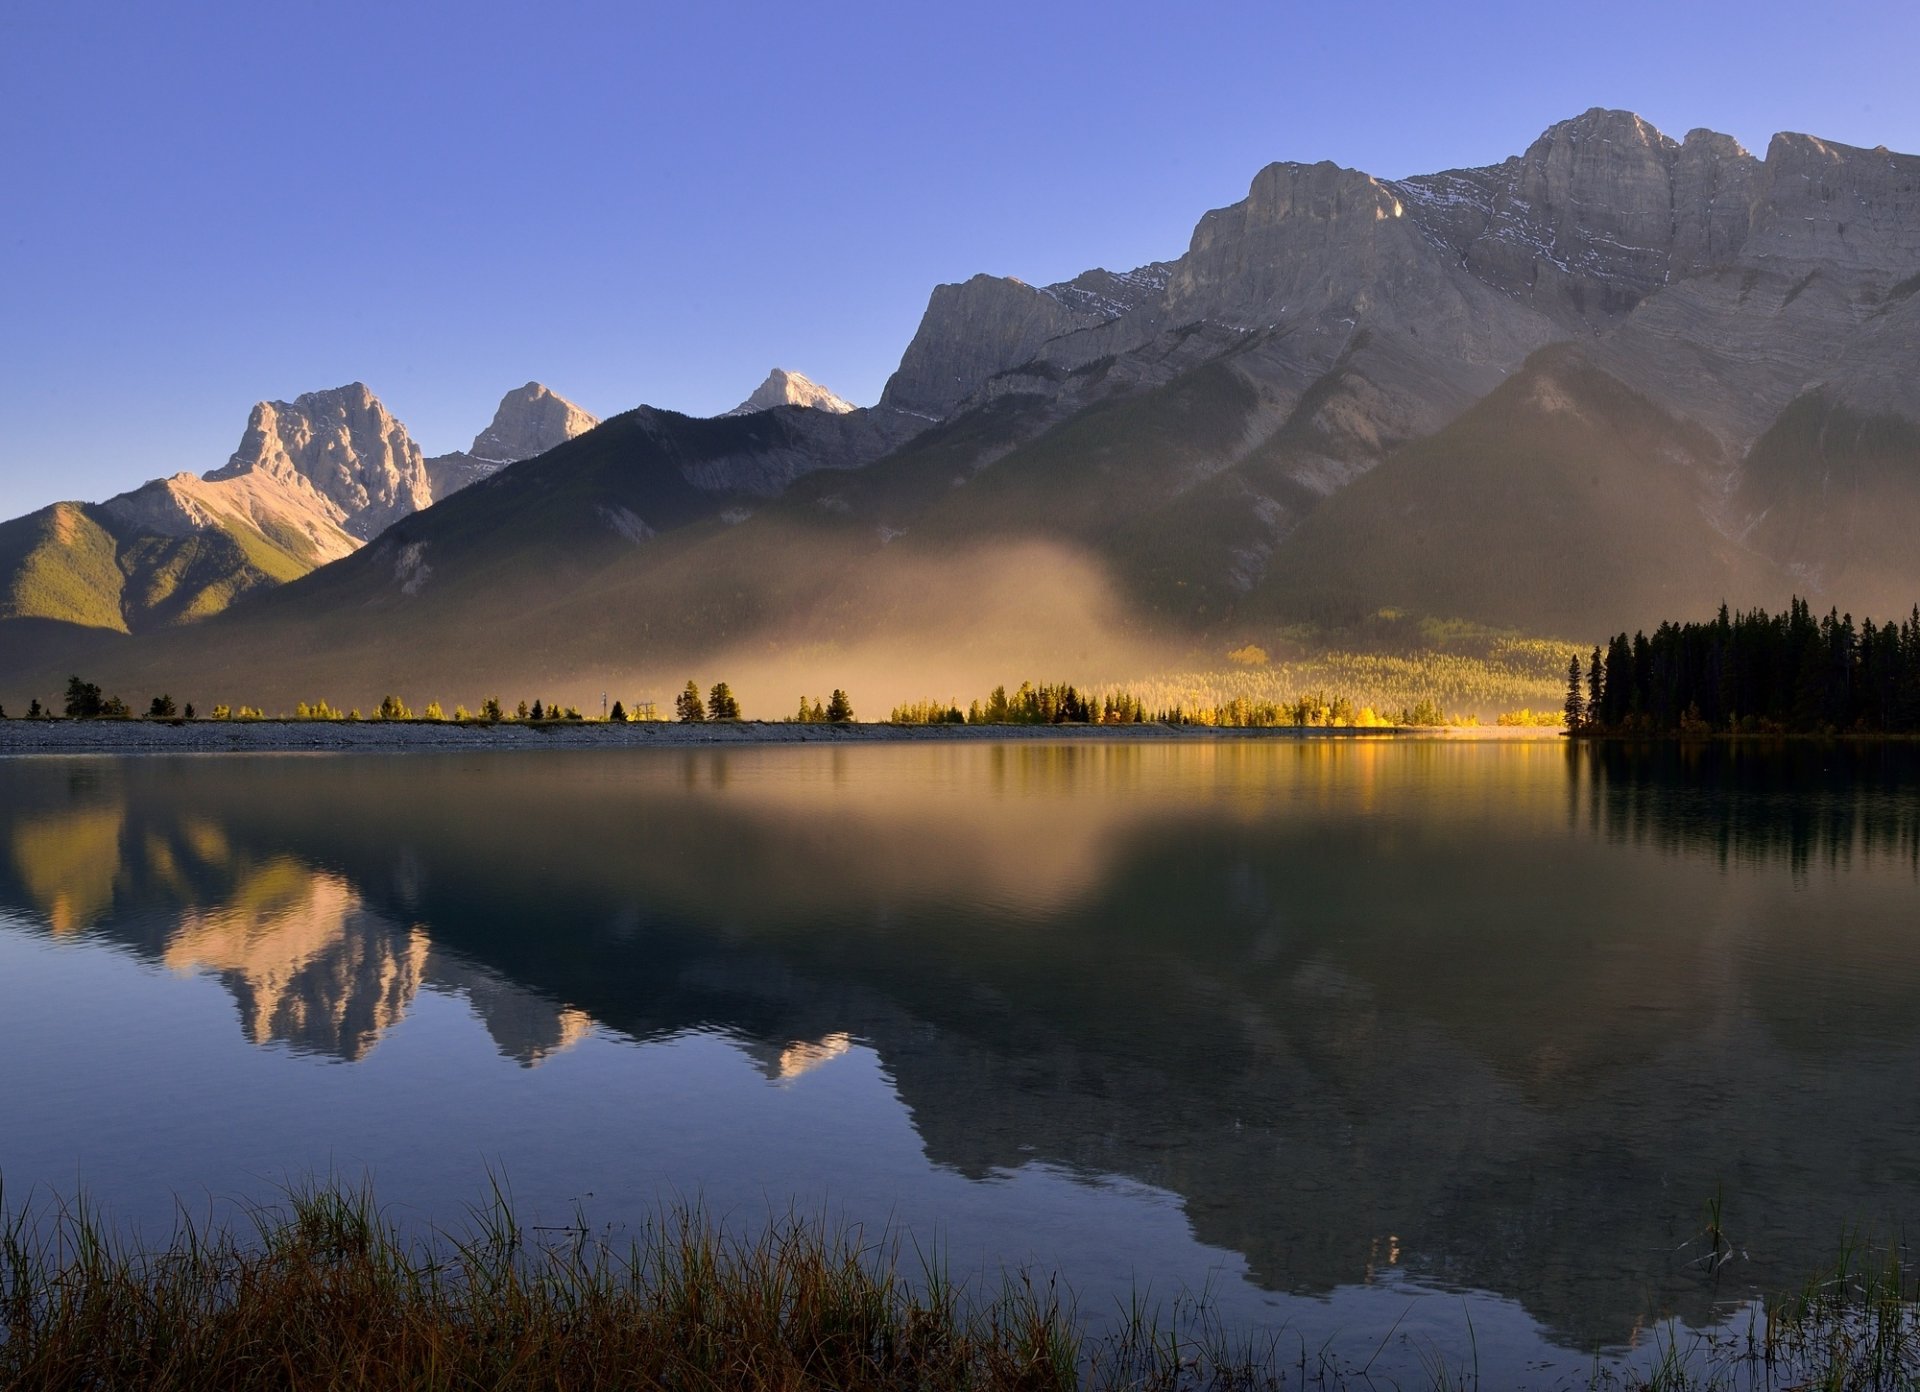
x,y
323,1292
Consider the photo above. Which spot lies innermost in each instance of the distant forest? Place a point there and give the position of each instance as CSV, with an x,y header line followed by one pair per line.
x,y
1753,673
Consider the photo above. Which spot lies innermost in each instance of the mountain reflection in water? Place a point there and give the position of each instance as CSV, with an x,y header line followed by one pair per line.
x,y
1499,1017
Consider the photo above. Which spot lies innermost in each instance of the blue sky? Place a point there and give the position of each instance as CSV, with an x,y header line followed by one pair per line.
x,y
210,204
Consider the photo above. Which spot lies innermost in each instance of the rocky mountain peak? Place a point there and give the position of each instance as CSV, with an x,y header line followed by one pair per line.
x,y
784,388
530,420
1836,206
1601,210
989,324
343,445
1251,262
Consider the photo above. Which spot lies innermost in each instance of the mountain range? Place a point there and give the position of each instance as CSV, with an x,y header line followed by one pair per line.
x,y
312,480
1614,378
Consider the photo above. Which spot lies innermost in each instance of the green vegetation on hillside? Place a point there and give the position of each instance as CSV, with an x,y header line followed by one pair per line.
x,y
1485,677
59,563
72,564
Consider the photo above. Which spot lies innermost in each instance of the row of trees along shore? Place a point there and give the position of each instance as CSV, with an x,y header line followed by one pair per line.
x,y
1753,673
1067,705
1046,704
86,701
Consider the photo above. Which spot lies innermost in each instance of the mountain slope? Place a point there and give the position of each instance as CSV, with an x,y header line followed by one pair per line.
x,y
1561,498
61,565
311,480
1834,494
176,550
1612,378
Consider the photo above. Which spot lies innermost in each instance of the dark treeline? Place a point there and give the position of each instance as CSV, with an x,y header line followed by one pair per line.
x,y
1753,673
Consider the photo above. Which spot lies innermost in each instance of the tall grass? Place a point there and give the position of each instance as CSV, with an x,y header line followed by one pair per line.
x,y
324,1292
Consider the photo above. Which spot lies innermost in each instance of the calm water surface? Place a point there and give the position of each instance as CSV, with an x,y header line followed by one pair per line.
x,y
1355,1037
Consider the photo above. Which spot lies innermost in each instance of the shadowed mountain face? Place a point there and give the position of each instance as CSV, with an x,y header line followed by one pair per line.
x,y
1519,1010
1571,392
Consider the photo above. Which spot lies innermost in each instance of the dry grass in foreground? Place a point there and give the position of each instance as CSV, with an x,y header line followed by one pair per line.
x,y
324,1293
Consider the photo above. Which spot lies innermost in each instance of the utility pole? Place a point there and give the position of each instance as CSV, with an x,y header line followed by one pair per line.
x,y
603,705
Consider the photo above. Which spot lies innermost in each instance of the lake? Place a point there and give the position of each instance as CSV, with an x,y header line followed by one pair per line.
x,y
1368,1042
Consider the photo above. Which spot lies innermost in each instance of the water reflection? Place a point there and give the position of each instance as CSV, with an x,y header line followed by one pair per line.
x,y
309,963
1495,1017
1798,802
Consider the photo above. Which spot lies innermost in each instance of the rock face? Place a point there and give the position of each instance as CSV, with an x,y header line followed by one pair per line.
x,y
184,504
342,445
784,388
1599,212
1342,375
530,421
1816,290
311,482
992,323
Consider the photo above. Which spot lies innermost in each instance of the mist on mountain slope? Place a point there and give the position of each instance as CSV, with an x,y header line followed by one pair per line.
x,y
1616,379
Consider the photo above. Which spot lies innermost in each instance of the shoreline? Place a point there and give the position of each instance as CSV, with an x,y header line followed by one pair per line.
x,y
25,738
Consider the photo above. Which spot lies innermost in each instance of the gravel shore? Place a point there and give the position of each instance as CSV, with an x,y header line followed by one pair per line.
x,y
28,737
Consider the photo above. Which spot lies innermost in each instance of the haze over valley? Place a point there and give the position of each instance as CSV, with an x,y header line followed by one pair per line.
x,y
1009,699
1615,378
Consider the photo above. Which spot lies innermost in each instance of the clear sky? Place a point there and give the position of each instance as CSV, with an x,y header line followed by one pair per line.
x,y
207,204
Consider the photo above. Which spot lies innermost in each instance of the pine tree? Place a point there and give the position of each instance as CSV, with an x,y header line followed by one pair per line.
x,y
721,704
490,709
839,708
618,715
539,710
161,708
1576,707
84,701
33,709
687,707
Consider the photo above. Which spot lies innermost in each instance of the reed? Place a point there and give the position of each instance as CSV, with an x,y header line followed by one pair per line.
x,y
324,1290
